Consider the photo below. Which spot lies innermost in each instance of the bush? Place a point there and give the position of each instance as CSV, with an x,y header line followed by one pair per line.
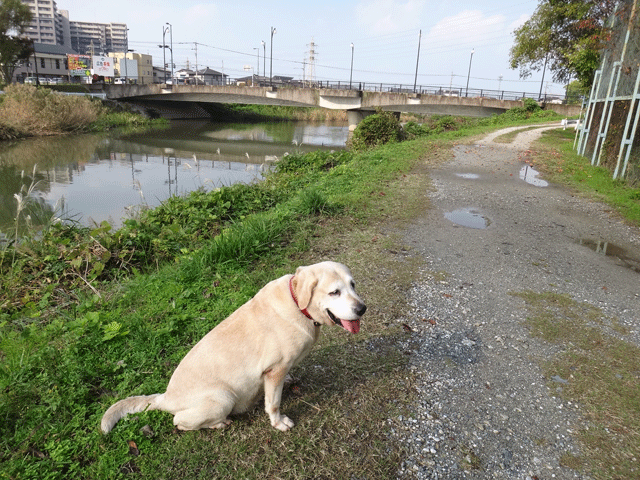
x,y
530,105
313,161
377,129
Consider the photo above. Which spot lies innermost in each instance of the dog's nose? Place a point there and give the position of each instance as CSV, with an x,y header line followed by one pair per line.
x,y
361,309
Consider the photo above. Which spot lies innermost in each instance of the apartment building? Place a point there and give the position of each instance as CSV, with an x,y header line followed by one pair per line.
x,y
92,38
51,26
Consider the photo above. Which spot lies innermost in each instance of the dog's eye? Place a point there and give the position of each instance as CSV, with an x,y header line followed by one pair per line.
x,y
335,293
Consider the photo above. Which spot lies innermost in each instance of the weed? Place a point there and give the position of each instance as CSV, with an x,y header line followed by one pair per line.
x,y
556,159
90,315
602,374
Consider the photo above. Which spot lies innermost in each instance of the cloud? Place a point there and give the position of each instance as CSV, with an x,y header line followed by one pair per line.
x,y
518,22
468,28
200,16
381,17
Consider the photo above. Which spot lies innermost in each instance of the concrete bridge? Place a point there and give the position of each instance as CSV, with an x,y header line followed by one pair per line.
x,y
196,101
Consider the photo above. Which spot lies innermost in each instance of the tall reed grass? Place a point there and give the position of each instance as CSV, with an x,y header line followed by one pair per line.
x,y
29,111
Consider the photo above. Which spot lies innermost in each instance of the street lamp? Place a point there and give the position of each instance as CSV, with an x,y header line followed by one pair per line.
x,y
171,49
164,47
273,30
351,72
469,74
258,69
415,81
264,58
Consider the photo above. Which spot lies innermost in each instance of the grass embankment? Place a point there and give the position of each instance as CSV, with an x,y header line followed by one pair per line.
x,y
61,369
27,111
555,157
92,315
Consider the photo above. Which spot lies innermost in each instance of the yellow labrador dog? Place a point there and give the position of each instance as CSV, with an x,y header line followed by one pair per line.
x,y
252,350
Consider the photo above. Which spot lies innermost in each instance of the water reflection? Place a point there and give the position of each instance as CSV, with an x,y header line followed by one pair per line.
x,y
102,177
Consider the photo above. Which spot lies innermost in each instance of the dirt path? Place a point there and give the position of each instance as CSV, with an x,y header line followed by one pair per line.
x,y
485,409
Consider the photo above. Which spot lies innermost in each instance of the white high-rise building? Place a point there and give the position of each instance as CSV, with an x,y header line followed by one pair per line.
x,y
53,27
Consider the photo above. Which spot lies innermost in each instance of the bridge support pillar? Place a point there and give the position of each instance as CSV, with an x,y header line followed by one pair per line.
x,y
355,117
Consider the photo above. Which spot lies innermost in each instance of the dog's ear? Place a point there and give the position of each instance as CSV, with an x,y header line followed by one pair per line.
x,y
305,282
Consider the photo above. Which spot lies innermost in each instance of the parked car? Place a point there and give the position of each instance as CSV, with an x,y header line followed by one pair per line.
x,y
119,81
31,80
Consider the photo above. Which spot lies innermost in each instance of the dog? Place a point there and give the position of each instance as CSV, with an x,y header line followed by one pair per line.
x,y
252,350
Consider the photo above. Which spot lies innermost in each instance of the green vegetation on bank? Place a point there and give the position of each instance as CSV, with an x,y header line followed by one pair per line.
x,y
26,111
91,315
557,159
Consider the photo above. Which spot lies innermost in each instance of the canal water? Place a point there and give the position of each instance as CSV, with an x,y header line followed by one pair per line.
x,y
92,178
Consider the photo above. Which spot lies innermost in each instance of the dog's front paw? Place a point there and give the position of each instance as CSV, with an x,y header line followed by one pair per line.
x,y
284,424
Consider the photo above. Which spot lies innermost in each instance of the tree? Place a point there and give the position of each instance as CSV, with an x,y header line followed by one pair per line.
x,y
15,16
566,36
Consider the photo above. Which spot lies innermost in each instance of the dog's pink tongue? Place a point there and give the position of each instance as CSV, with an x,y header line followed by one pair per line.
x,y
351,326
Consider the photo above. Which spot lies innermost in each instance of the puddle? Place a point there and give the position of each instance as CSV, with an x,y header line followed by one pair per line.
x,y
468,217
530,175
612,250
469,176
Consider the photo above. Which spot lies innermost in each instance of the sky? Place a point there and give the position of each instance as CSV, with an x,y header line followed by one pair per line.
x,y
227,36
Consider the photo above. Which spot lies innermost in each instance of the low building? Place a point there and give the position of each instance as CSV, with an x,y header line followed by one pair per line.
x,y
48,64
205,76
133,67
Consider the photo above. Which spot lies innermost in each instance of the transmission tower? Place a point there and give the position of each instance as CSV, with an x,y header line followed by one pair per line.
x,y
310,74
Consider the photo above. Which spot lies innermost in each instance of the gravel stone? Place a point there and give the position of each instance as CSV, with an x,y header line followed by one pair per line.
x,y
484,409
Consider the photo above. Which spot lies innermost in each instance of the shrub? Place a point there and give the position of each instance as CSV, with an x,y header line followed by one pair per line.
x,y
377,129
530,105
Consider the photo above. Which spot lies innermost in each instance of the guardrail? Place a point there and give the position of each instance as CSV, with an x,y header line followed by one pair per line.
x,y
425,90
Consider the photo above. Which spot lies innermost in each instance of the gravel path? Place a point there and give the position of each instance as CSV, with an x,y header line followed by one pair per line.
x,y
485,409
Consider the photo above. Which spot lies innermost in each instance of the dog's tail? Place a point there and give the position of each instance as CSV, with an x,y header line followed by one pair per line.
x,y
127,406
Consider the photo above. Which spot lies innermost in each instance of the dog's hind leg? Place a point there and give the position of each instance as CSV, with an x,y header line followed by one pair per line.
x,y
210,412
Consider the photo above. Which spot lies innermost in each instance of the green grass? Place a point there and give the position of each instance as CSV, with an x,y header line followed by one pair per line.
x,y
67,350
555,157
510,137
603,377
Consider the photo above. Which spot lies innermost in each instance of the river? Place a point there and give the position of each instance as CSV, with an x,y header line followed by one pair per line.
x,y
98,177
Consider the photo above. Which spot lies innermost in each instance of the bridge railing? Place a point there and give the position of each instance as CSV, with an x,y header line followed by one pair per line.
x,y
429,90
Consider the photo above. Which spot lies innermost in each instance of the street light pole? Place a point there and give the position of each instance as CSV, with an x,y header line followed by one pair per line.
x,y
273,30
171,40
351,72
469,74
415,81
164,53
258,49
264,58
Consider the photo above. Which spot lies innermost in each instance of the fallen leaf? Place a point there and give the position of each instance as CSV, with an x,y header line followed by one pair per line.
x,y
133,448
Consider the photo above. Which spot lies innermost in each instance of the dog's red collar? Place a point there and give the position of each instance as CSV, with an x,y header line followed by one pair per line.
x,y
305,312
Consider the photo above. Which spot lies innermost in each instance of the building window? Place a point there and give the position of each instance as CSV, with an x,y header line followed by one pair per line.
x,y
42,62
57,64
